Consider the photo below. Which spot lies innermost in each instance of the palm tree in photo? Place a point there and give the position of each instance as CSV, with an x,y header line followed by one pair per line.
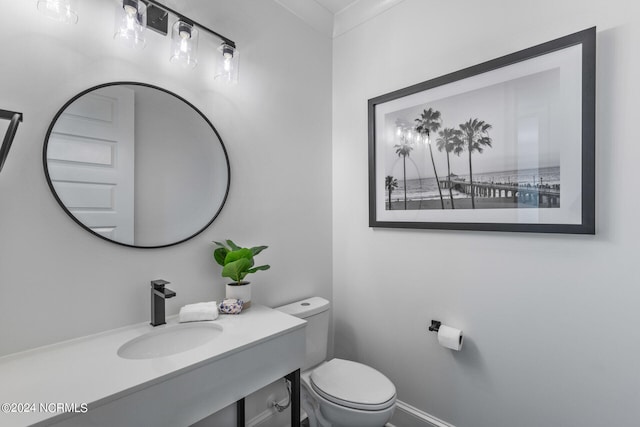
x,y
429,122
390,183
475,134
450,141
404,150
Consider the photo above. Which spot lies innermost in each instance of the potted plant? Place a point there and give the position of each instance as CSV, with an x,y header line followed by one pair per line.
x,y
236,263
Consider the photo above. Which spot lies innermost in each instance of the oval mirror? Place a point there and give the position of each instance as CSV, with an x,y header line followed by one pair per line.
x,y
136,165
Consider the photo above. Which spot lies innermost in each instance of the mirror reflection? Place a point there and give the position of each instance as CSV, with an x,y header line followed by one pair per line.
x,y
136,165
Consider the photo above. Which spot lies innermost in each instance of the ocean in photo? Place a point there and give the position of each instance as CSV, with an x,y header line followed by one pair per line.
x,y
427,188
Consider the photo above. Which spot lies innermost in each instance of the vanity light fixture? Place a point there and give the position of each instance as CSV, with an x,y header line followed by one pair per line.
x,y
184,44
184,41
59,10
133,17
131,23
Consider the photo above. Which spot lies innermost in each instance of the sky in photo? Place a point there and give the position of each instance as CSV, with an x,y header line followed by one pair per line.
x,y
526,132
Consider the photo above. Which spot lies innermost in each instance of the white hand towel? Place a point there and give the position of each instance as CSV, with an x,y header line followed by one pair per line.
x,y
198,312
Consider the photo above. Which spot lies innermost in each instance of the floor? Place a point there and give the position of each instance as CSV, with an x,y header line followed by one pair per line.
x,y
305,423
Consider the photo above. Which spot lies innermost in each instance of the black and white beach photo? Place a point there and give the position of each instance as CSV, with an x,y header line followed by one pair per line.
x,y
460,152
504,142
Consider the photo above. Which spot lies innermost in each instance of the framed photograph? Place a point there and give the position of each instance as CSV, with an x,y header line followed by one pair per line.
x,y
506,145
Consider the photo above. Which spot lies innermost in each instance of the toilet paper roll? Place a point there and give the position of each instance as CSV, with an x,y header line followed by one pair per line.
x,y
450,337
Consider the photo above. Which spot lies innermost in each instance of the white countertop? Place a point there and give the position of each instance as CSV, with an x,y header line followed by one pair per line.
x,y
88,369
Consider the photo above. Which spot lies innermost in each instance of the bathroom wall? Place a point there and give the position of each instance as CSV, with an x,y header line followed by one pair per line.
x,y
56,280
550,320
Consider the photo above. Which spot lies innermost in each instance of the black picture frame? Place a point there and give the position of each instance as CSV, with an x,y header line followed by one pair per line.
x,y
550,201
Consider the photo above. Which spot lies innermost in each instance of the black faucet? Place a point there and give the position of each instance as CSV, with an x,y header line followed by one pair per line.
x,y
158,294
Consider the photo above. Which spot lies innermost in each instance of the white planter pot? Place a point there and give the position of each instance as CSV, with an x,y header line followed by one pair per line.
x,y
242,292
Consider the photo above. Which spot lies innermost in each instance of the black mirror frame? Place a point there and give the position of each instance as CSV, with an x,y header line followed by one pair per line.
x,y
91,89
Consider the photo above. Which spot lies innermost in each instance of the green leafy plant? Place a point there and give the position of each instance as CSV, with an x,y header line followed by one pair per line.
x,y
237,261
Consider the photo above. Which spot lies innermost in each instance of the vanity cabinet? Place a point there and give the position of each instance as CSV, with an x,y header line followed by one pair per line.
x,y
256,348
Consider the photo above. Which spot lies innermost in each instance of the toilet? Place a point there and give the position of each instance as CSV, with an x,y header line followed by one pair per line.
x,y
338,392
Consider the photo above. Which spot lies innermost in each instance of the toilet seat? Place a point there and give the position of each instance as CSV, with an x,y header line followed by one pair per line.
x,y
353,385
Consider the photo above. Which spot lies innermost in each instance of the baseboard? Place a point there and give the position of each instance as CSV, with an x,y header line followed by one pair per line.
x,y
405,416
410,416
263,417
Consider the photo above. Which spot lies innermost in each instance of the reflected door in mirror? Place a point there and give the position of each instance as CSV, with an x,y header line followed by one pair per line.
x,y
91,161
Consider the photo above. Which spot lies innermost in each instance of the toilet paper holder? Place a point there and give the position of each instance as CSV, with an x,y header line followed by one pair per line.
x,y
435,326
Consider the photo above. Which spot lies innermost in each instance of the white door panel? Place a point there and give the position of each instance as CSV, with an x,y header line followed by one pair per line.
x,y
91,161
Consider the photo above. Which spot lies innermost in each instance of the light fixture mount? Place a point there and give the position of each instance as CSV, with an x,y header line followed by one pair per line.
x,y
157,19
157,9
184,29
132,4
227,50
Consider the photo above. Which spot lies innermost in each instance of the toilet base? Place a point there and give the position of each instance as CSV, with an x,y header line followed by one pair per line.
x,y
322,413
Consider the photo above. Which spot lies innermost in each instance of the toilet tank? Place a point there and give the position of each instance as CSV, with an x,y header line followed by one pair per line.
x,y
315,311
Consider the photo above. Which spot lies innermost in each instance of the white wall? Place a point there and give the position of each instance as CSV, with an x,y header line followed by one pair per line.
x,y
56,280
550,320
180,169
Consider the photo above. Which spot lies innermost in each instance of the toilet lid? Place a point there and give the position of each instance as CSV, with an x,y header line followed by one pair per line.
x,y
353,385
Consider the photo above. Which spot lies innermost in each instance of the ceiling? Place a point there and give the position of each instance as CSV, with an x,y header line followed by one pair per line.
x,y
335,6
336,17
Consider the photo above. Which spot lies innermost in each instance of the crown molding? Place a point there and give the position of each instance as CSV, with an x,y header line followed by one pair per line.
x,y
314,14
358,13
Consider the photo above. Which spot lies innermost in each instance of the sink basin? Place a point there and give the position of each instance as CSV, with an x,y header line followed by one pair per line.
x,y
169,340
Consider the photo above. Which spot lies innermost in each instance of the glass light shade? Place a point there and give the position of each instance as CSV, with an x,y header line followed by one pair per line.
x,y
60,10
227,64
184,44
131,23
